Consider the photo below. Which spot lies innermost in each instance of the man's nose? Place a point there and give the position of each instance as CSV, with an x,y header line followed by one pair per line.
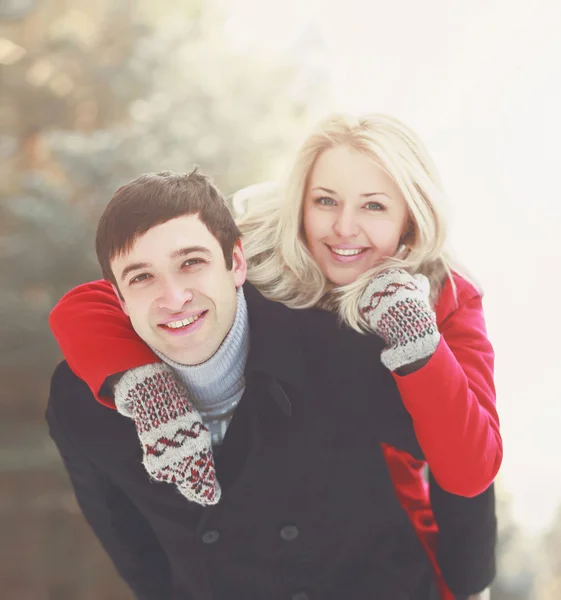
x,y
174,295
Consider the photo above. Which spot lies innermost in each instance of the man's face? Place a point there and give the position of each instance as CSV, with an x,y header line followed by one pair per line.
x,y
177,291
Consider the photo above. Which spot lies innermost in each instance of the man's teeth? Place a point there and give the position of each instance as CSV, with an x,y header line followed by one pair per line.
x,y
347,251
184,323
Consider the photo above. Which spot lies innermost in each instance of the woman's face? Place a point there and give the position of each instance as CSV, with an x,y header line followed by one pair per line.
x,y
354,214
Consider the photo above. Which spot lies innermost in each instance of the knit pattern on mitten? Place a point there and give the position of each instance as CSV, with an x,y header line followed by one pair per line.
x,y
396,306
176,444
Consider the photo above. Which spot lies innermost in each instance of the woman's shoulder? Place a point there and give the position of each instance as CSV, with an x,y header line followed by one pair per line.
x,y
455,293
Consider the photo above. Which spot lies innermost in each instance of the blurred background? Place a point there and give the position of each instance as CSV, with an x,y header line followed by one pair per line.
x,y
93,94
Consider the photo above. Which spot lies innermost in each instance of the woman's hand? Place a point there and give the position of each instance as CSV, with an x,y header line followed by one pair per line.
x,y
176,444
396,306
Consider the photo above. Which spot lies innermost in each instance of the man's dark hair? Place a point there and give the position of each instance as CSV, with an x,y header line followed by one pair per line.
x,y
155,198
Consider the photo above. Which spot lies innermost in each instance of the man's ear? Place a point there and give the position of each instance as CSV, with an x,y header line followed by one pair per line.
x,y
120,298
239,264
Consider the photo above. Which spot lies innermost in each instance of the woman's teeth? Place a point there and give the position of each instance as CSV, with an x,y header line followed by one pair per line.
x,y
348,251
183,323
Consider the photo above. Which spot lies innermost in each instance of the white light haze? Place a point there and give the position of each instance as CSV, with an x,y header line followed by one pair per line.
x,y
480,81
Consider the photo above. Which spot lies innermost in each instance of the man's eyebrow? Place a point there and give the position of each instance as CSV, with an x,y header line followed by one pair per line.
x,y
133,267
190,250
367,195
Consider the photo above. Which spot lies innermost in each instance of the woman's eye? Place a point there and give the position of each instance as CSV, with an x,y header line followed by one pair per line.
x,y
373,206
139,278
325,201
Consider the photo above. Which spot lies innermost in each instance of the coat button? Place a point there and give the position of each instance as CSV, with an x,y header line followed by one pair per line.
x,y
300,596
289,533
210,536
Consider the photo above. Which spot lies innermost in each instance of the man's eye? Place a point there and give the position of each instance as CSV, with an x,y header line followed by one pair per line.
x,y
192,262
325,201
139,278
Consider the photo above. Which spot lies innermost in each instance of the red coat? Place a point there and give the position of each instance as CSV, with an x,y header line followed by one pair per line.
x,y
451,399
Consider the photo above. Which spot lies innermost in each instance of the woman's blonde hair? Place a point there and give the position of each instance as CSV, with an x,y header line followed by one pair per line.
x,y
280,264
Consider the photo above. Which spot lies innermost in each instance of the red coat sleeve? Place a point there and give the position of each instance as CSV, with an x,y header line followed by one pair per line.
x,y
452,398
96,337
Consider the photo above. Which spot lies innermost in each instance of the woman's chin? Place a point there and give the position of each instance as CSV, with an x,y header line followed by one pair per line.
x,y
343,270
338,278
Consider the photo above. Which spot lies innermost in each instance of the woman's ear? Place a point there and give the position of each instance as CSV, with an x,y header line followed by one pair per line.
x,y
402,252
406,242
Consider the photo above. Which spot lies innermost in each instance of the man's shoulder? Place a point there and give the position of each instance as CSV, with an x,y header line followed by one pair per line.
x,y
283,339
82,428
67,391
74,410
275,315
257,301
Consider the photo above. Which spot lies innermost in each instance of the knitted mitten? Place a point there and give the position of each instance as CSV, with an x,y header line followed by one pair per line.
x,y
176,445
396,306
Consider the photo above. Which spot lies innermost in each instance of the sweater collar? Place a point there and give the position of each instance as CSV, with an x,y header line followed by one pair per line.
x,y
275,344
217,379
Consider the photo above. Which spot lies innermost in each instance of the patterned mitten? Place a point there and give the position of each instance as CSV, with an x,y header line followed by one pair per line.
x,y
176,445
396,306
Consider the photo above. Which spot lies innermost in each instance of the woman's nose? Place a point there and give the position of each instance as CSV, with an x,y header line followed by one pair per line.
x,y
346,224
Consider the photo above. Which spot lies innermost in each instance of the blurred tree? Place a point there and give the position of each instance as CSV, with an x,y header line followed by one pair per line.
x,y
515,557
549,567
96,96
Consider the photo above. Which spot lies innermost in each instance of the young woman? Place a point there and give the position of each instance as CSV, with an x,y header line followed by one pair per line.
x,y
358,229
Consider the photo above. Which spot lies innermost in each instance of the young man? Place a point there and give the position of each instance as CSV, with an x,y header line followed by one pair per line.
x,y
259,472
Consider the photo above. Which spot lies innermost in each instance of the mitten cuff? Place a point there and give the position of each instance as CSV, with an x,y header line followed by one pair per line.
x,y
125,388
398,356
